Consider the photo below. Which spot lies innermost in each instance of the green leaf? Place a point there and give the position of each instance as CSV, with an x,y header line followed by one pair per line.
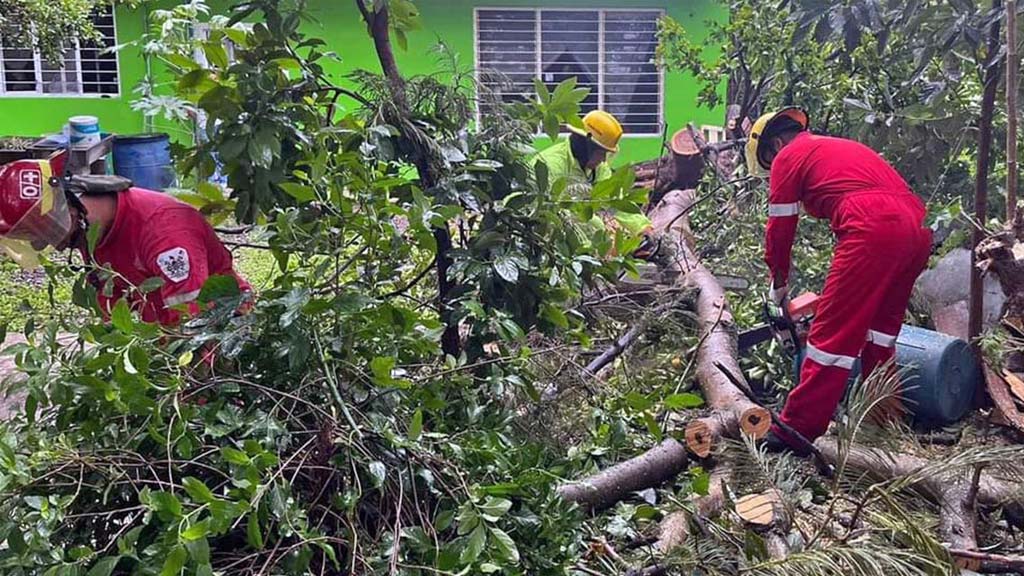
x,y
104,567
701,482
253,534
506,267
234,456
684,400
652,425
416,426
754,546
381,367
287,63
495,508
635,223
638,401
506,546
542,90
216,54
92,237
196,531
175,561
219,286
126,543
121,316
474,545
80,553
444,520
185,359
197,491
300,192
199,550
167,507
151,284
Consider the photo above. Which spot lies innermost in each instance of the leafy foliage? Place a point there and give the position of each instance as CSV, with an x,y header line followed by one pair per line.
x,y
322,431
46,26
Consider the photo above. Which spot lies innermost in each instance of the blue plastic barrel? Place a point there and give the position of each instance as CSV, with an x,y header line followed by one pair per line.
x,y
145,159
940,377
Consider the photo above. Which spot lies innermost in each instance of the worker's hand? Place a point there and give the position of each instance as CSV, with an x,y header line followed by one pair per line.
x,y
780,297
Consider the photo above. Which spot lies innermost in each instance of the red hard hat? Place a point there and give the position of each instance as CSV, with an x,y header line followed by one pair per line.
x,y
31,209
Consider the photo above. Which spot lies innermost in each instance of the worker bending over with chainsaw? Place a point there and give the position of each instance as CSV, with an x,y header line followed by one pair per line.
x,y
142,234
882,246
582,159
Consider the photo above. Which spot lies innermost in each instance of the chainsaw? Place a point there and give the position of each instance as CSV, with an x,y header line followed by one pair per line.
x,y
789,327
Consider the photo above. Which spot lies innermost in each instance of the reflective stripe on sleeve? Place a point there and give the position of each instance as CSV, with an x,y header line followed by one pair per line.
x,y
783,210
181,298
881,339
827,359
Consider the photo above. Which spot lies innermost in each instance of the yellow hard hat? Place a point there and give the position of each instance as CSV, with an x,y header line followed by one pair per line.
x,y
602,128
756,164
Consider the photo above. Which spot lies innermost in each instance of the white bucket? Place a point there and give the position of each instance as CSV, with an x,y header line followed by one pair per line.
x,y
84,131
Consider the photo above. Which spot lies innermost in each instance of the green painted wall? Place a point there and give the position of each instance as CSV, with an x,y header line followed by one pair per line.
x,y
340,25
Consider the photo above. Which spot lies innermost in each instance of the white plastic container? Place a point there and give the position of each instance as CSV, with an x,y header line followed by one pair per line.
x,y
84,131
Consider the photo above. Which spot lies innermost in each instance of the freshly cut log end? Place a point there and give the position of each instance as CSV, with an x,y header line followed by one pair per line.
x,y
759,509
755,422
699,438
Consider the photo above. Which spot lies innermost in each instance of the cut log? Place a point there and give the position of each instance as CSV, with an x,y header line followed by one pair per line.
x,y
733,411
701,434
675,528
951,492
766,514
652,468
687,159
764,509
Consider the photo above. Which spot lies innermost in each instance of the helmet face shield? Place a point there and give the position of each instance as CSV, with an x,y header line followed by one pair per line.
x,y
32,210
42,229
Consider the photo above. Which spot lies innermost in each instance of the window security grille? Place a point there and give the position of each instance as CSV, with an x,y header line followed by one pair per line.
x,y
609,51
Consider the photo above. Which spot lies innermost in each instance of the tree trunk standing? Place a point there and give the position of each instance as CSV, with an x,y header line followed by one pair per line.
x,y
1012,62
988,101
379,23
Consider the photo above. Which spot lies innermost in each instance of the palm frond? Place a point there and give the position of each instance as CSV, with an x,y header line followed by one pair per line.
x,y
864,559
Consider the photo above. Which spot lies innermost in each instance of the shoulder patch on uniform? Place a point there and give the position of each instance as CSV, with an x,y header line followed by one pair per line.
x,y
174,264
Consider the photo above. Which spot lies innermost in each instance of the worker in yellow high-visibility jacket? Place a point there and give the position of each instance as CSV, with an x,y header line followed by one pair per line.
x,y
582,159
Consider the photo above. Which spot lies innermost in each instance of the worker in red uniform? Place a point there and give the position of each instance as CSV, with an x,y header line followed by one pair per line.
x,y
143,235
882,246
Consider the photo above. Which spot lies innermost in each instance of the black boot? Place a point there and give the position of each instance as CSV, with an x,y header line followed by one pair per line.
x,y
775,444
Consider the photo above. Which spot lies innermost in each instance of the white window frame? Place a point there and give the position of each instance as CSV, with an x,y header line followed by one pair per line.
x,y
601,54
77,50
713,134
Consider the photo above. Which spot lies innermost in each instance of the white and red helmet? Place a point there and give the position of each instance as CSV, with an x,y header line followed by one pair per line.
x,y
32,210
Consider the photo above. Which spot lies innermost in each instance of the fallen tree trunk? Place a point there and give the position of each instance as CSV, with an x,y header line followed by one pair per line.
x,y
675,528
652,468
951,492
733,411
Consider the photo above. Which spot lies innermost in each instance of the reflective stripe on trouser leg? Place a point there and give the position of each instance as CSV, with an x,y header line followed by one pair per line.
x,y
881,339
829,359
810,406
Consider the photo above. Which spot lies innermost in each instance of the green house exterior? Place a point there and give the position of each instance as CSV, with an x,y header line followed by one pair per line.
x,y
339,24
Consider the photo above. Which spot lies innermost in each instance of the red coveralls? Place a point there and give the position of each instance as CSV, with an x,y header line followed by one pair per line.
x,y
155,235
882,246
